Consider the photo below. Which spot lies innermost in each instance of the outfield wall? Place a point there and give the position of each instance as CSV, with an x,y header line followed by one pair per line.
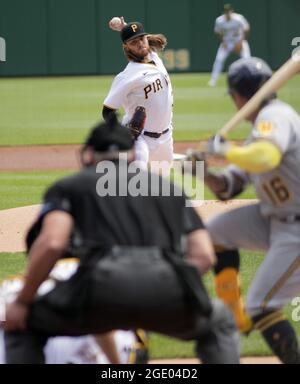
x,y
63,37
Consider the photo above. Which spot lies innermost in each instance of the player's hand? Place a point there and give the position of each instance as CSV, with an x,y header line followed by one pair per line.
x,y
238,47
194,157
16,317
123,22
217,146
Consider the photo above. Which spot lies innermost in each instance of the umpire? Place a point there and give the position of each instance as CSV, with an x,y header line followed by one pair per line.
x,y
131,272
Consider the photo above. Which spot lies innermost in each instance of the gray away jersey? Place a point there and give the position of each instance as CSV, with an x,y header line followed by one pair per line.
x,y
279,189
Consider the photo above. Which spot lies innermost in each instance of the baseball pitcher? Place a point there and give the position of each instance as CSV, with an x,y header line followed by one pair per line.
x,y
144,83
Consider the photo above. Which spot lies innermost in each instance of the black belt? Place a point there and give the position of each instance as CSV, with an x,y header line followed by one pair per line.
x,y
289,219
156,135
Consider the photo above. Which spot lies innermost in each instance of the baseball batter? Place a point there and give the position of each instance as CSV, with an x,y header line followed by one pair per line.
x,y
145,82
231,29
270,160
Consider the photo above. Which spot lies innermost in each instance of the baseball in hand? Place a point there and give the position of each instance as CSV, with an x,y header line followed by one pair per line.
x,y
116,24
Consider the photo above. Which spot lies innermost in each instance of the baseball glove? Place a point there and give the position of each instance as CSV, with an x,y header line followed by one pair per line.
x,y
238,47
137,122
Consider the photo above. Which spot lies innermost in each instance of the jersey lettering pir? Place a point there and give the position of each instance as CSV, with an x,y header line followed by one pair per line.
x,y
147,85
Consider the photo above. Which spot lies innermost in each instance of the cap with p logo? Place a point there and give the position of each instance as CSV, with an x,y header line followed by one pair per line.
x,y
132,30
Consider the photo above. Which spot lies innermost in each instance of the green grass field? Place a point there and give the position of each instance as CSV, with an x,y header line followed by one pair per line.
x,y
27,188
61,110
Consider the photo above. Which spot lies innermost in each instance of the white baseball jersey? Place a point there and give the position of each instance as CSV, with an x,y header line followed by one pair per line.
x,y
81,350
146,85
233,29
85,350
67,350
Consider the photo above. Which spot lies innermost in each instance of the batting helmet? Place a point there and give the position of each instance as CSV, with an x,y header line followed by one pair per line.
x,y
246,76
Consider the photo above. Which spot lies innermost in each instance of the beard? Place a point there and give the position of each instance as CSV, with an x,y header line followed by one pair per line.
x,y
139,58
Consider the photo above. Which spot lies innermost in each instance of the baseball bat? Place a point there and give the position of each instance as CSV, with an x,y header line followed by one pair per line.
x,y
279,78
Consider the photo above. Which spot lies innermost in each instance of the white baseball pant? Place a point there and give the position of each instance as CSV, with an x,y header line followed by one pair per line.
x,y
222,54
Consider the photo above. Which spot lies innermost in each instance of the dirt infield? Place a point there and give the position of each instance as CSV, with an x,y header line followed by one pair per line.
x,y
15,222
40,157
58,157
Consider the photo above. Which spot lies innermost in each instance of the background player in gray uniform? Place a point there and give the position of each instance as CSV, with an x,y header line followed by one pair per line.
x,y
271,161
232,30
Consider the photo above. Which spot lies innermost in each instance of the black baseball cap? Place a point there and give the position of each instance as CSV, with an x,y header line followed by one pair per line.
x,y
109,136
132,30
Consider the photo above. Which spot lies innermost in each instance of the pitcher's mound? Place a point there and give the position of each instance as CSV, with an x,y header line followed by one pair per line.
x,y
14,223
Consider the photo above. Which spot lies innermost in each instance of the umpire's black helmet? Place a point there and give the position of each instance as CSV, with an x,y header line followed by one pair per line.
x,y
246,76
110,135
